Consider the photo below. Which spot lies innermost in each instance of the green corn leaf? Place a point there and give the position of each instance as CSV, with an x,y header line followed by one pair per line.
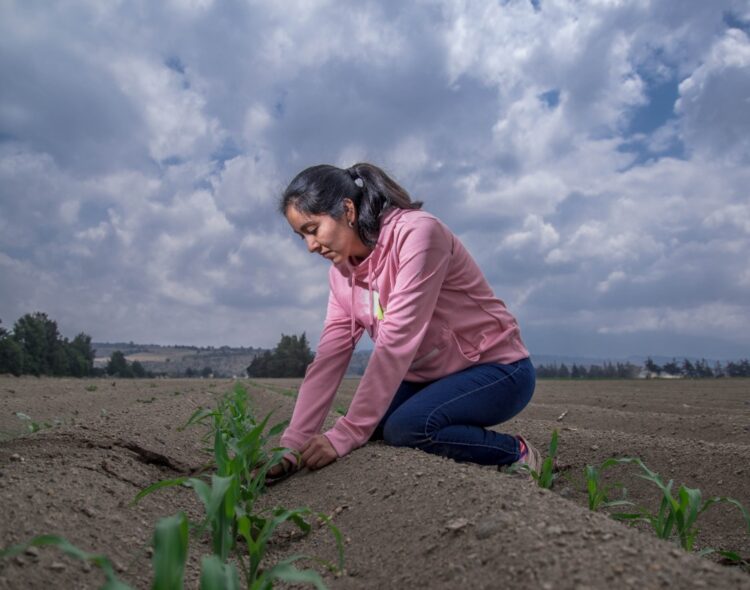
x,y
204,492
198,416
101,561
553,444
286,572
629,516
277,428
216,575
251,440
725,499
732,556
165,483
170,552
302,524
336,535
220,453
690,499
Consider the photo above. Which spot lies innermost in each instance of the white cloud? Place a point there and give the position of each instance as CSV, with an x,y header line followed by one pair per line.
x,y
407,159
694,321
715,100
536,235
257,121
248,185
614,277
144,147
174,113
596,240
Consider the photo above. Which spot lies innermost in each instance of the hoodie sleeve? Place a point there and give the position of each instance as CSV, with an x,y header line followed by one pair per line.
x,y
323,375
423,251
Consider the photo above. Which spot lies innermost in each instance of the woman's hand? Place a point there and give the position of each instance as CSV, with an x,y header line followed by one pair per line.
x,y
279,469
318,452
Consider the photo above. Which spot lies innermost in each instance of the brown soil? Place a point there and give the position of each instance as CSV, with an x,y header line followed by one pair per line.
x,y
410,519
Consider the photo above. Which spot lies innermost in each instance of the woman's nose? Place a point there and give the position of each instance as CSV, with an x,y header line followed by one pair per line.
x,y
312,244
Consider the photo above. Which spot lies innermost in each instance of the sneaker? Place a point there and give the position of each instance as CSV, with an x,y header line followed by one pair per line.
x,y
532,457
530,460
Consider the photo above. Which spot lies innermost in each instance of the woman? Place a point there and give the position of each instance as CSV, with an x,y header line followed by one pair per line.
x,y
448,359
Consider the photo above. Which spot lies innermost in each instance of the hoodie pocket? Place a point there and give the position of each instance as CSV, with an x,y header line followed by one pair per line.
x,y
431,348
466,348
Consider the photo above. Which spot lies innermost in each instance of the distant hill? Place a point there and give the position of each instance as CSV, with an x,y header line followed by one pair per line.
x,y
227,361
174,361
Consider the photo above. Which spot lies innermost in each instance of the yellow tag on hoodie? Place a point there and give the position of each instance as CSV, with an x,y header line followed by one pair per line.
x,y
379,311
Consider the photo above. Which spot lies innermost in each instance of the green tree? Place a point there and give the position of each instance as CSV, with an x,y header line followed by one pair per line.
x,y
11,357
688,369
703,370
672,368
652,367
578,372
118,365
289,359
82,351
76,363
38,337
138,370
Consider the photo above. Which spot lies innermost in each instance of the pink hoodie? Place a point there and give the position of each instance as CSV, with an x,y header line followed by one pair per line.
x,y
429,311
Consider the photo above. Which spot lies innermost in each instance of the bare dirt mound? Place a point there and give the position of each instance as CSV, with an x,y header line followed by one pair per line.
x,y
409,519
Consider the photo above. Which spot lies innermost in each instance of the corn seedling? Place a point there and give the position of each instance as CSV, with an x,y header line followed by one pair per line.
x,y
242,462
91,388
31,425
546,475
257,530
102,562
170,552
216,575
598,491
677,514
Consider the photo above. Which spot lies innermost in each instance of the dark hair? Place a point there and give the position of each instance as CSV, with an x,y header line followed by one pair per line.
x,y
321,190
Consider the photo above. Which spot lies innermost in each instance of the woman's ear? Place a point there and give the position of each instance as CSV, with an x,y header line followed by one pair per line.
x,y
350,212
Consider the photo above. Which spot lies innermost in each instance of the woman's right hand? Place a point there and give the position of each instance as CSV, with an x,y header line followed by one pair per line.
x,y
279,471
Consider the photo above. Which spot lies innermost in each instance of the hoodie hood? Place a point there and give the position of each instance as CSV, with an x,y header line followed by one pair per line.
x,y
364,274
374,263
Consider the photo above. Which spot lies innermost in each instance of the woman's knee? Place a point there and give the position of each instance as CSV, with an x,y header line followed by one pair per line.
x,y
400,431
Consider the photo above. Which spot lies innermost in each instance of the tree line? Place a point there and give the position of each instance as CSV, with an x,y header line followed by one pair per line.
x,y
685,369
699,369
606,371
34,346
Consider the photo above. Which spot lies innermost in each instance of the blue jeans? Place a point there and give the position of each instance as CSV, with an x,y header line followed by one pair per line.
x,y
450,416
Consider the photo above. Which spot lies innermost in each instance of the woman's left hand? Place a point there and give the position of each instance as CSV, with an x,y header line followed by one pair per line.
x,y
318,452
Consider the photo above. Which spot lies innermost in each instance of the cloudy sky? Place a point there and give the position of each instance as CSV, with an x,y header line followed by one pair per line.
x,y
592,155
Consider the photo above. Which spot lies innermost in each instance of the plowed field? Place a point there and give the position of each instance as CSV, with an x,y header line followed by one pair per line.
x,y
410,520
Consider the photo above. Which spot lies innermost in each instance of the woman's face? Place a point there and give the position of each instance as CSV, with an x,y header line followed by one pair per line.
x,y
331,238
